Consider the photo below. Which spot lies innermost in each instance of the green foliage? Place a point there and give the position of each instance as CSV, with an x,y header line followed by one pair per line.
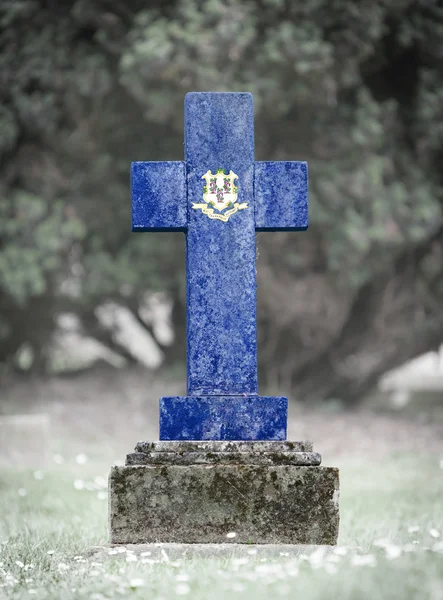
x,y
352,88
304,65
36,237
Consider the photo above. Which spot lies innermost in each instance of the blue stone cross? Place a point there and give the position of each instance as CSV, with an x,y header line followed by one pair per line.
x,y
219,197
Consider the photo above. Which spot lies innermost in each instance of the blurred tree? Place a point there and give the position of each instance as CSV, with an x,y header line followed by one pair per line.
x,y
354,88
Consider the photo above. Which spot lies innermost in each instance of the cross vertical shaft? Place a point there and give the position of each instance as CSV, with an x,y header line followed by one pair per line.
x,y
220,256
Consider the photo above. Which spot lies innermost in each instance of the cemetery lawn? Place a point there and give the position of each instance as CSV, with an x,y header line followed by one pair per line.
x,y
391,504
392,510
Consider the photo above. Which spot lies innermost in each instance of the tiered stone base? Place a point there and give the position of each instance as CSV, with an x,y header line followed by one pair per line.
x,y
199,492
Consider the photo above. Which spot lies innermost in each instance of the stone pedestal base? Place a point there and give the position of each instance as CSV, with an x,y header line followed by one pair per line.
x,y
204,492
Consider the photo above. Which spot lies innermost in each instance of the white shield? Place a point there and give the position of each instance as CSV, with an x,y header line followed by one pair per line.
x,y
220,191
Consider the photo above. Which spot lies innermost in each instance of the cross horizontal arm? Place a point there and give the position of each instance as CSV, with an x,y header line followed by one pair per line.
x,y
281,196
159,201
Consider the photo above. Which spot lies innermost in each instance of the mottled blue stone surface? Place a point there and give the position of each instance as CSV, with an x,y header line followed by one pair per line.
x,y
223,418
221,288
281,196
222,401
158,196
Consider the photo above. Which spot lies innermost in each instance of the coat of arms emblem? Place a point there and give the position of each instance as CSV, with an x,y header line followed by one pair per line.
x,y
220,195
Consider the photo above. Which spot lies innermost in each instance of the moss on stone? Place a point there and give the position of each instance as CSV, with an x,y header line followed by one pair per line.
x,y
262,504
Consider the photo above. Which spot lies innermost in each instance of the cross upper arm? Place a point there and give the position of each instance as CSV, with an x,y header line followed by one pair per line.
x,y
159,200
281,195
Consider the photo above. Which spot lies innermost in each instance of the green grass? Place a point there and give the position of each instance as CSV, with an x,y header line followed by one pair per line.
x,y
47,522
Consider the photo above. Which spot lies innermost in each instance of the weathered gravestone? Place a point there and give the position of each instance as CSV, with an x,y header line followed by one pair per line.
x,y
222,463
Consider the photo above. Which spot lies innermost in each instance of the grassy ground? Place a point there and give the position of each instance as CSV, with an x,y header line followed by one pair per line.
x,y
391,508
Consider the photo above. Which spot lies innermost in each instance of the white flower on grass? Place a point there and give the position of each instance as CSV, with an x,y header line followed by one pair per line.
x,y
50,552
136,583
316,559
62,567
100,481
364,560
131,558
39,475
292,569
176,564
79,484
164,555
231,535
10,579
22,492
19,564
333,558
413,528
81,459
58,459
182,589
392,552
434,533
79,557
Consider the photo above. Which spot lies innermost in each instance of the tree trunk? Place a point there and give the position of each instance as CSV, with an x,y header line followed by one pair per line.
x,y
394,317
